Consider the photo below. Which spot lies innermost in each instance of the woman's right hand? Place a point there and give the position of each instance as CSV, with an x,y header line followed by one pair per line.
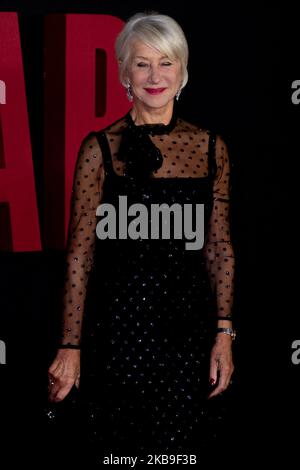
x,y
63,373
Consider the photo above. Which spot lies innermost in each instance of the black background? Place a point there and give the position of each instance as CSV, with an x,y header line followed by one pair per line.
x,y
243,60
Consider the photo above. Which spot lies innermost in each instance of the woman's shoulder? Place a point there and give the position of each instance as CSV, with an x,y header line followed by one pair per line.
x,y
200,130
91,140
192,130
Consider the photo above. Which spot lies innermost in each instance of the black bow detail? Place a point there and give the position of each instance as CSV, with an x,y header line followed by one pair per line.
x,y
137,150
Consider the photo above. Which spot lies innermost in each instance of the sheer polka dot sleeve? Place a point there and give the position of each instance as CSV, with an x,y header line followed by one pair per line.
x,y
86,196
218,248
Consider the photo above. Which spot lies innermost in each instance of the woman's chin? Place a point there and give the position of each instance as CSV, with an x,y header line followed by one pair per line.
x,y
156,101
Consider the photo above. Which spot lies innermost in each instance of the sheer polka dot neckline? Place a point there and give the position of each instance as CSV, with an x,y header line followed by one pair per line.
x,y
152,129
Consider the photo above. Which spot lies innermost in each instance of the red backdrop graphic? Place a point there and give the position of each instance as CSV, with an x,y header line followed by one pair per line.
x,y
81,92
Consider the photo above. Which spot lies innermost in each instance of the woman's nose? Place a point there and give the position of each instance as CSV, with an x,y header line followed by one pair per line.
x,y
154,74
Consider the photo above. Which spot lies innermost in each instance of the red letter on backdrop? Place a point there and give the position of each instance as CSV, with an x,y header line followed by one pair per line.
x,y
18,206
82,94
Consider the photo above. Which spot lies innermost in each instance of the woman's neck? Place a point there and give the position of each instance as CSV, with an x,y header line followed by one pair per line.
x,y
141,115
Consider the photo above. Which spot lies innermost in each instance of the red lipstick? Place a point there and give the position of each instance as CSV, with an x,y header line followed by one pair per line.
x,y
154,91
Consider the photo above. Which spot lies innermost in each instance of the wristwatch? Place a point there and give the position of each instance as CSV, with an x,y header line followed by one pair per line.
x,y
228,331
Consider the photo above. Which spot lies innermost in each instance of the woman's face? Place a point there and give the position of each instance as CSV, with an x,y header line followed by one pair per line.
x,y
154,78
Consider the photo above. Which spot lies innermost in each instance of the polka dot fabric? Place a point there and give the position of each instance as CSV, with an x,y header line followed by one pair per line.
x,y
143,310
86,196
185,152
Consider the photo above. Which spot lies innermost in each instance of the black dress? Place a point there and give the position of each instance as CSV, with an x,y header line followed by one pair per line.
x,y
150,304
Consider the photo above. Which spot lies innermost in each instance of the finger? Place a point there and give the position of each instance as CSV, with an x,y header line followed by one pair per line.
x,y
223,383
216,392
54,385
57,392
228,371
77,382
219,389
52,391
56,369
53,366
213,372
62,392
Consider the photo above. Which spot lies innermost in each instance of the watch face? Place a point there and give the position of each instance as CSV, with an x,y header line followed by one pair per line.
x,y
227,331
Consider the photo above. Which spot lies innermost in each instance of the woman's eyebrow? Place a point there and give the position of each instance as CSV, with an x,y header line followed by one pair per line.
x,y
146,58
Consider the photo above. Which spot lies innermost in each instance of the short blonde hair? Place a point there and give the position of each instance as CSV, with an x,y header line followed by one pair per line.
x,y
155,30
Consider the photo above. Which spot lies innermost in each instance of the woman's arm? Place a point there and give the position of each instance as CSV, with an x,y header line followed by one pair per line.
x,y
86,196
64,372
220,264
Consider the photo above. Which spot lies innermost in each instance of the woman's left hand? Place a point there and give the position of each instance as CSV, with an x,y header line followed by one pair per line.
x,y
221,365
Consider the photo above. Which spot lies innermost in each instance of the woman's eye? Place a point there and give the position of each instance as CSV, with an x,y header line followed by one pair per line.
x,y
166,63
142,64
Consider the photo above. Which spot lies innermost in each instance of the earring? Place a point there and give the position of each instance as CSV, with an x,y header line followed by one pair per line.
x,y
178,94
129,92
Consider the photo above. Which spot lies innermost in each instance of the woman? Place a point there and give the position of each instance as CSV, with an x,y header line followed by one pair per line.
x,y
157,316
